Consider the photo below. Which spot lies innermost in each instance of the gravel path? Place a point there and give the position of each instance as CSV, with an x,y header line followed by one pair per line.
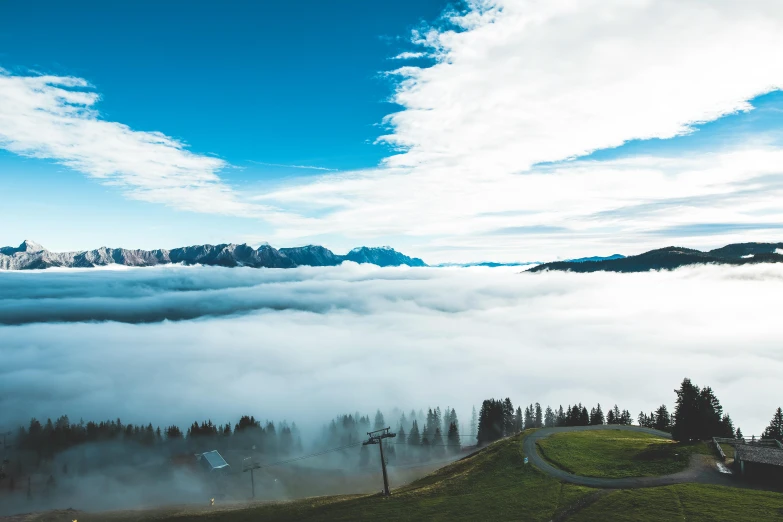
x,y
702,469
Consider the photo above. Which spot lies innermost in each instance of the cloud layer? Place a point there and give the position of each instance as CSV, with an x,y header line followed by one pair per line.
x,y
304,344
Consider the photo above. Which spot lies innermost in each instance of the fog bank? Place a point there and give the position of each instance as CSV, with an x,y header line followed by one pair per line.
x,y
176,344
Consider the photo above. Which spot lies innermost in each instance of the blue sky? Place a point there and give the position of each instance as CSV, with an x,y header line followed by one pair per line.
x,y
259,84
499,127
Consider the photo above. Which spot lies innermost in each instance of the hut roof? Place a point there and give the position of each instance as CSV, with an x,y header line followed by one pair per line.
x,y
759,454
213,460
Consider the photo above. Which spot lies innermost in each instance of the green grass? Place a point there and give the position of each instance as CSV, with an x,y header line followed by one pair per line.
x,y
616,454
493,484
687,502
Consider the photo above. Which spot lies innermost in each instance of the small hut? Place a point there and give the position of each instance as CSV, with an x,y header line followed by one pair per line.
x,y
212,462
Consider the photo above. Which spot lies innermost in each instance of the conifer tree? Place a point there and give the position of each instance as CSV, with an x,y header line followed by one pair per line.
x,y
414,437
549,418
597,416
519,420
474,424
685,421
561,417
379,422
584,417
452,439
491,421
539,420
775,428
529,423
662,419
425,453
402,437
508,417
438,446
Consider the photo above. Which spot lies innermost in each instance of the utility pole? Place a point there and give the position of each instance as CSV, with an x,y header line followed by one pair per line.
x,y
376,437
250,468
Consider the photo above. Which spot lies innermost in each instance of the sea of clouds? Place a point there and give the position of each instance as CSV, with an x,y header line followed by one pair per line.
x,y
175,344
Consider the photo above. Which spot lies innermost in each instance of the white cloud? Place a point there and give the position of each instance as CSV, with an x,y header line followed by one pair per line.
x,y
623,205
525,82
407,55
54,117
306,343
528,81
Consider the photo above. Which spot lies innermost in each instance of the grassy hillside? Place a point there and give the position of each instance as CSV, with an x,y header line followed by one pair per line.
x,y
688,502
493,484
616,454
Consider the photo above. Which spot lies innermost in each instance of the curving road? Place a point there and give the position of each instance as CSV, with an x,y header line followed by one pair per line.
x,y
702,468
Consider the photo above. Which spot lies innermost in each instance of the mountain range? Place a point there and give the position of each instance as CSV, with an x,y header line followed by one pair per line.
x,y
670,258
30,255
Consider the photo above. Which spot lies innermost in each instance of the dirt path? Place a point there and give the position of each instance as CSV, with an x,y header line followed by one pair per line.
x,y
702,469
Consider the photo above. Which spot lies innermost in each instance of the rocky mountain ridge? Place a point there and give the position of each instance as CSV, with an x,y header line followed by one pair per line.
x,y
30,256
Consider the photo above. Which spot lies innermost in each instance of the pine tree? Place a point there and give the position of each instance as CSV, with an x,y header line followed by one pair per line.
x,y
550,418
775,428
539,420
474,424
379,422
727,426
414,438
685,421
519,420
529,423
438,446
508,417
739,434
662,418
491,421
561,417
425,453
452,439
403,440
597,416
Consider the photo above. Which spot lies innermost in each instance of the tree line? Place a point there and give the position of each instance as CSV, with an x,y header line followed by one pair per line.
x,y
498,418
52,437
698,415
420,436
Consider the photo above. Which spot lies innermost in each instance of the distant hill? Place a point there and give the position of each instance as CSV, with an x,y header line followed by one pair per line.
x,y
670,258
31,256
490,264
595,258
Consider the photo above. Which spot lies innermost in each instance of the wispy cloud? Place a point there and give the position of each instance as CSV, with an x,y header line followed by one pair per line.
x,y
407,55
55,117
287,166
